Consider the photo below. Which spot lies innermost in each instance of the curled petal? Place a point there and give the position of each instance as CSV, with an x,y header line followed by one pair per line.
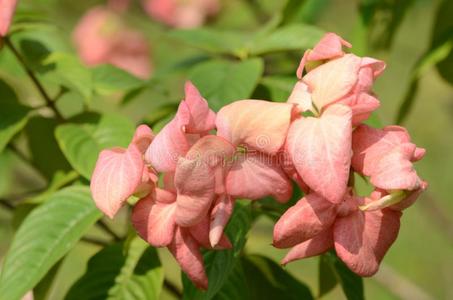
x,y
201,118
117,175
410,198
315,246
7,8
333,80
255,175
320,149
154,220
394,171
307,218
260,125
369,145
187,252
143,137
362,105
201,233
220,215
330,46
197,176
301,97
363,238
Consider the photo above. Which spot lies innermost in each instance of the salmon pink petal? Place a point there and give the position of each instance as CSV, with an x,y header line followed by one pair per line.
x,y
143,137
369,145
201,117
330,46
376,65
410,198
363,238
7,8
220,215
154,221
117,174
320,149
394,171
255,175
315,246
333,80
168,145
301,97
201,233
197,176
187,252
260,125
307,218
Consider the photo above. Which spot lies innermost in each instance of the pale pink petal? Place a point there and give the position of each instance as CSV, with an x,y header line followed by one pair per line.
x,y
307,218
154,220
301,97
256,175
330,46
220,215
201,118
117,174
201,233
376,65
290,170
369,145
333,80
394,171
187,252
197,176
320,149
143,137
7,8
315,246
363,238
260,125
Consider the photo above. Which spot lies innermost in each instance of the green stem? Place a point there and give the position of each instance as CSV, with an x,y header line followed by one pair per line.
x,y
34,79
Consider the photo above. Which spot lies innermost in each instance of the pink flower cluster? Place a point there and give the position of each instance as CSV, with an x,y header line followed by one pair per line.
x,y
254,148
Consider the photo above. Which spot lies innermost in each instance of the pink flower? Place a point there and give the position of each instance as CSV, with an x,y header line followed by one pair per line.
x,y
336,77
181,14
258,129
315,225
7,8
120,173
101,37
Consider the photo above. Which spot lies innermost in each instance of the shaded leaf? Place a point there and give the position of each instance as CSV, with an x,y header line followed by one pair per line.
x,y
121,271
44,237
107,79
222,81
326,276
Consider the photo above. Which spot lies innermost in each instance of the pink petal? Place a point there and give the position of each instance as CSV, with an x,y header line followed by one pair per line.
x,y
307,218
394,171
315,246
201,233
186,251
7,8
320,149
143,137
411,197
154,220
117,174
332,80
363,238
197,178
301,97
260,125
201,118
362,105
220,215
256,175
330,46
369,145
377,66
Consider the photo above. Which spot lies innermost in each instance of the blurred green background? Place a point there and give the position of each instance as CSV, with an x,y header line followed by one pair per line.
x,y
420,263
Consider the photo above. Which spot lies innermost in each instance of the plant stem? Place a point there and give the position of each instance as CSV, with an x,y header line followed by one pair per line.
x,y
172,288
94,241
108,230
34,79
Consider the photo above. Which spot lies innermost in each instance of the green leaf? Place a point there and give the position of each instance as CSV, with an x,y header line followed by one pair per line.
x,y
303,11
45,236
278,88
291,37
13,115
124,275
326,276
220,264
210,40
223,81
108,79
81,143
351,283
267,280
